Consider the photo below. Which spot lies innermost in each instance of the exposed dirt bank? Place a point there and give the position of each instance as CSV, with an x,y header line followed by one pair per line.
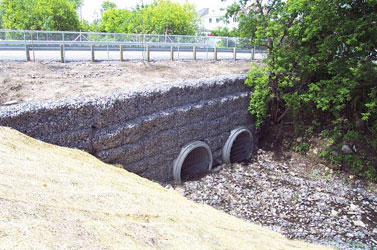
x,y
53,197
22,81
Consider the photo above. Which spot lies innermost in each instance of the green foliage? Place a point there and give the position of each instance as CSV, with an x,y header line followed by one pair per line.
x,y
161,17
224,31
116,21
225,43
328,154
370,113
86,26
1,16
167,17
302,148
247,25
39,15
106,5
352,161
370,173
321,63
257,79
359,163
321,56
352,135
77,3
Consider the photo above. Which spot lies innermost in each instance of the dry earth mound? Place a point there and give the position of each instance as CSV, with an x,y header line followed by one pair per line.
x,y
59,198
27,81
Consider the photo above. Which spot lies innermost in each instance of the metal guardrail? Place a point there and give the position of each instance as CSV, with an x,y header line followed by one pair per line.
x,y
97,38
70,40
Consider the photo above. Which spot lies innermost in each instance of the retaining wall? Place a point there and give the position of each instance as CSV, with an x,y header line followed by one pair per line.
x,y
142,130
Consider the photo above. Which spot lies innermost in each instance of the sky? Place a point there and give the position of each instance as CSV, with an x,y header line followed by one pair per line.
x,y
91,7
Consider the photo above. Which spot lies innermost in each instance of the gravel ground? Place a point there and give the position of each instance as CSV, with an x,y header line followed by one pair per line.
x,y
317,205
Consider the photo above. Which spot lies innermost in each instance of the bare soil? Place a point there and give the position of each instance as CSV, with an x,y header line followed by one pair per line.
x,y
26,81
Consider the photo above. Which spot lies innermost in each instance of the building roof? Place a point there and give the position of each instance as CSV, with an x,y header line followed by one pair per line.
x,y
203,12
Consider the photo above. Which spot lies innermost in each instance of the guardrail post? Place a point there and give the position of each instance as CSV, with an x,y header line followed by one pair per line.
x,y
107,46
27,52
253,53
207,40
178,47
148,54
62,53
215,54
234,53
121,52
172,53
92,52
194,53
63,44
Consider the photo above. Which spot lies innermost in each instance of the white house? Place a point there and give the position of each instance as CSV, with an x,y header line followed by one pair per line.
x,y
213,16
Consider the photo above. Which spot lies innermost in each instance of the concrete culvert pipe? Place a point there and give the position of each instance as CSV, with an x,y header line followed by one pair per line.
x,y
239,146
195,158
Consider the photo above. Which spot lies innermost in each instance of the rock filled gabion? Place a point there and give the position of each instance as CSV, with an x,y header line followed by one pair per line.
x,y
142,130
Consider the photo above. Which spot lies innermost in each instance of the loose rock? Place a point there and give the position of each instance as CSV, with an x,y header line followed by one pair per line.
x,y
347,149
298,204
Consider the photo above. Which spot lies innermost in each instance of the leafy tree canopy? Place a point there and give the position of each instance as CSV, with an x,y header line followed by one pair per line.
x,y
86,26
321,68
77,3
161,17
167,17
116,20
107,5
321,56
1,17
224,31
39,15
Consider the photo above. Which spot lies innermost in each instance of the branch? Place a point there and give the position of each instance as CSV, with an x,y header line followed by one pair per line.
x,y
282,37
272,6
286,111
282,115
260,7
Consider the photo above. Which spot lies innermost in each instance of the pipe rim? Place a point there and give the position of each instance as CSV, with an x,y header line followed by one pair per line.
x,y
185,151
227,148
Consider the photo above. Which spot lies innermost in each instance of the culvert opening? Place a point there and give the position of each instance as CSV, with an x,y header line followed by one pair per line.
x,y
239,146
194,160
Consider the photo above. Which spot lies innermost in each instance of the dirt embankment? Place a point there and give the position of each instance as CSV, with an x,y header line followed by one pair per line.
x,y
54,197
26,81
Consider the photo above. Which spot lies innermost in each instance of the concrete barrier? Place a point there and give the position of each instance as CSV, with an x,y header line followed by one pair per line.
x,y
142,130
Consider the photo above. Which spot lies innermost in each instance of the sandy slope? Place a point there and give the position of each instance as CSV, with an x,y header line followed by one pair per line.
x,y
54,197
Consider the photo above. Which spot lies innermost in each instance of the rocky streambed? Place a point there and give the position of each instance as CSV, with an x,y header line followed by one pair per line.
x,y
312,204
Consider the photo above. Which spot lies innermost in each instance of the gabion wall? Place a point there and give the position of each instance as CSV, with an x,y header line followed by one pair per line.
x,y
142,130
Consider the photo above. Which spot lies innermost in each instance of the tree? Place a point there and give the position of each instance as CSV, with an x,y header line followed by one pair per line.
x,y
86,26
161,17
77,3
321,68
166,17
321,56
116,21
39,15
224,31
1,16
106,5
